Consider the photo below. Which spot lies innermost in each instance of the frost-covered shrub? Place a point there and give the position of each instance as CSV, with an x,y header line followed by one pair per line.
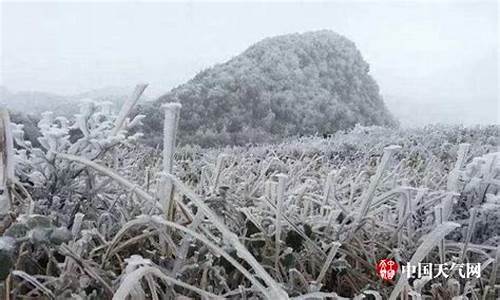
x,y
89,135
481,181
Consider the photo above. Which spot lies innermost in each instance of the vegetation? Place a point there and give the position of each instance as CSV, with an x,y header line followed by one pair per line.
x,y
306,218
298,84
34,103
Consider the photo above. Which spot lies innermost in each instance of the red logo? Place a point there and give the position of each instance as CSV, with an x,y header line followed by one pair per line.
x,y
387,268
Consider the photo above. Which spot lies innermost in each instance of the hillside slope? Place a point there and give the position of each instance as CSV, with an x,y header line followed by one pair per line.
x,y
34,102
297,84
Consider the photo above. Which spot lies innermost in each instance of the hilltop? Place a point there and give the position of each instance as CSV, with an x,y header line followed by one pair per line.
x,y
296,84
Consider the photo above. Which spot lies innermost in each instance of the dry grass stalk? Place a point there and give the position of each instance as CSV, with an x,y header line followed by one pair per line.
x,y
6,161
132,279
282,180
165,192
218,170
33,281
331,254
330,190
439,219
369,194
268,186
75,231
454,176
494,271
428,243
185,243
127,108
329,186
470,232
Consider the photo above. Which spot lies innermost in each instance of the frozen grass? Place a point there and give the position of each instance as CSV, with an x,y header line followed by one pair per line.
x,y
305,219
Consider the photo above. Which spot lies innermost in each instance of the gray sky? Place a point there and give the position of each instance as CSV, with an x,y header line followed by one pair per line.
x,y
444,52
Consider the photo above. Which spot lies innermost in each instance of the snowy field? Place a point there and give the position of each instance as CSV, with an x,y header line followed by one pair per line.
x,y
94,214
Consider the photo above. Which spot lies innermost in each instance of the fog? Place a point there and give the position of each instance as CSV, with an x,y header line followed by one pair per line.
x,y
434,61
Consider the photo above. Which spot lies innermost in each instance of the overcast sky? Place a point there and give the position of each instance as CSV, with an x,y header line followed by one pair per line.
x,y
445,51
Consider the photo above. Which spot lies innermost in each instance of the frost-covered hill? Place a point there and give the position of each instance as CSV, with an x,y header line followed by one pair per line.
x,y
35,102
310,83
31,102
